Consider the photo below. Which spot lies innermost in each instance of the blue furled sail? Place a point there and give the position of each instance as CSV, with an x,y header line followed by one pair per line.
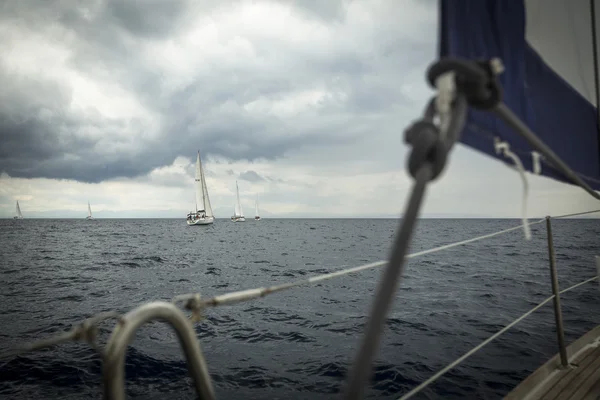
x,y
549,50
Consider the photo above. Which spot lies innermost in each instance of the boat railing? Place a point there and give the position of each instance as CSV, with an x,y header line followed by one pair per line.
x,y
113,354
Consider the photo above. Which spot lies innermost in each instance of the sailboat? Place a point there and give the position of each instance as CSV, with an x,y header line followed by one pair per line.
x,y
89,216
18,212
238,213
256,214
203,214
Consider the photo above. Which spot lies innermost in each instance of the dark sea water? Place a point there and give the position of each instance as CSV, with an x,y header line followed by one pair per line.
x,y
296,344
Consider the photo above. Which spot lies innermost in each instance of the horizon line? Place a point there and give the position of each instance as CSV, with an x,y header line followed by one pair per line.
x,y
290,217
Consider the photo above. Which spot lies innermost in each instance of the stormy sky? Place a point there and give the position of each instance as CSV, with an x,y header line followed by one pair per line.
x,y
303,102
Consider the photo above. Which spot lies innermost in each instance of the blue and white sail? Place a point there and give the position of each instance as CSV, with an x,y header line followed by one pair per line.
x,y
549,49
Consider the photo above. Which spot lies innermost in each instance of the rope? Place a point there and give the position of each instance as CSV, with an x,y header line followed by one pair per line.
x,y
577,285
360,371
485,342
535,161
198,303
431,145
522,129
504,148
249,294
576,214
85,331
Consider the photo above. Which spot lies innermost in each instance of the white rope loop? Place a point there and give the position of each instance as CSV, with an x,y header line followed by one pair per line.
x,y
537,165
446,92
504,148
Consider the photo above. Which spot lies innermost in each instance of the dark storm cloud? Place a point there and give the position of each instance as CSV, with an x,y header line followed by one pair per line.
x,y
151,18
328,10
40,136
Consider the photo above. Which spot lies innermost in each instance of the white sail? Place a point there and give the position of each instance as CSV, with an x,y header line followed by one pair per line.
x,y
198,186
256,215
205,198
18,211
238,205
204,213
89,210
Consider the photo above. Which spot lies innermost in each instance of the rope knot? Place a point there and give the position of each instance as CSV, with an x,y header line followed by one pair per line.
x,y
194,304
427,148
87,331
476,79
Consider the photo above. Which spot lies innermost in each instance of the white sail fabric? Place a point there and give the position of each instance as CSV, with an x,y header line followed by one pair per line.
x,y
238,212
560,31
256,207
19,210
89,210
204,190
198,186
207,206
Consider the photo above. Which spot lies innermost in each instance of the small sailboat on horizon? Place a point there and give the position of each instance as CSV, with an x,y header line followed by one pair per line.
x,y
18,215
238,213
89,216
256,214
204,213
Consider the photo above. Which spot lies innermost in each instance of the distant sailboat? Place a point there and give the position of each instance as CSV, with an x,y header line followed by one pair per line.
x,y
19,215
203,214
256,214
238,213
89,212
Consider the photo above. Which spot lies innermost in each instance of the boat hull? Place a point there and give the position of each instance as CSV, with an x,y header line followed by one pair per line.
x,y
257,218
201,221
238,219
544,381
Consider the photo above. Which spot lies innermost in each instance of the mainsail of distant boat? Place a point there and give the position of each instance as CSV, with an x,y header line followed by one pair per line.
x,y
89,212
238,213
18,212
204,213
256,214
